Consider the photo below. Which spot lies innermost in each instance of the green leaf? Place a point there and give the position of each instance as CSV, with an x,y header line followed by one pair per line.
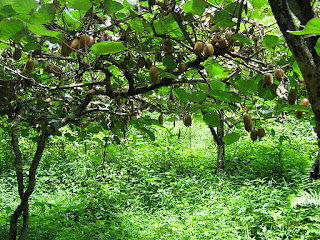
x,y
80,4
270,41
150,134
169,62
196,96
159,27
24,6
241,38
137,25
45,14
41,30
231,138
112,6
182,94
312,27
9,27
211,119
223,19
107,47
216,85
195,7
216,71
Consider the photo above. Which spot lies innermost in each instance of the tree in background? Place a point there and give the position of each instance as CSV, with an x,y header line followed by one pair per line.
x,y
98,66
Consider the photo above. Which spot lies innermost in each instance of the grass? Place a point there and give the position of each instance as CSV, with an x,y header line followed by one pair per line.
x,y
168,189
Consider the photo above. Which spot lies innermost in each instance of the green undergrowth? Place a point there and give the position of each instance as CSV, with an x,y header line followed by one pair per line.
x,y
168,189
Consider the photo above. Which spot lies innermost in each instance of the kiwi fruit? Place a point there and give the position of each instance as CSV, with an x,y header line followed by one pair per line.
x,y
254,135
86,40
208,50
91,91
47,68
119,100
48,100
182,67
279,74
160,119
155,78
198,47
247,119
268,79
176,85
261,132
65,49
153,71
29,66
213,41
299,114
292,97
305,102
168,46
56,70
141,61
17,54
222,43
249,127
75,44
187,120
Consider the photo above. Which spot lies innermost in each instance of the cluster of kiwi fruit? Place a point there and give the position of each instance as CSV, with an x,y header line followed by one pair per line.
x,y
51,68
153,70
248,125
268,77
206,48
293,97
76,43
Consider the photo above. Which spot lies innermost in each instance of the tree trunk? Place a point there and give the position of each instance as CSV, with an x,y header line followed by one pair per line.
x,y
305,55
218,134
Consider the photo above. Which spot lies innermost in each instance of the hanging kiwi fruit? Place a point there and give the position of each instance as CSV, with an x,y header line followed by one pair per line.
x,y
268,79
279,74
65,49
305,102
248,124
299,114
222,43
254,135
153,71
86,40
182,67
29,66
160,119
198,47
187,120
17,54
167,46
75,44
261,132
141,61
292,97
208,50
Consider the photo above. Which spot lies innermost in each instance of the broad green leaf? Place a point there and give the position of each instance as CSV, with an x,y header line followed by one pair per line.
x,y
41,30
9,27
137,25
182,94
45,14
246,87
216,85
195,7
107,47
169,62
216,71
150,134
24,6
112,6
241,38
211,119
196,96
159,27
231,138
223,19
270,41
80,4
312,27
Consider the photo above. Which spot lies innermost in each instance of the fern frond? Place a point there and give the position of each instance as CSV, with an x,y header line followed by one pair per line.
x,y
306,198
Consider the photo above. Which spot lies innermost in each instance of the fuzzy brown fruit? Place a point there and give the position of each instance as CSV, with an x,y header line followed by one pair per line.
x,y
208,50
153,71
292,97
198,47
261,132
222,43
248,127
56,70
253,135
75,44
86,40
29,66
176,85
160,119
168,46
305,102
65,49
279,74
247,119
299,114
182,67
155,78
268,79
17,54
187,120
91,91
141,61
